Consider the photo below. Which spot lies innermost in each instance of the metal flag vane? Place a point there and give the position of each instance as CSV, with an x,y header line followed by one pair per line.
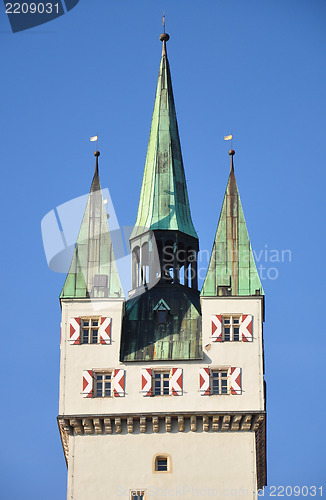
x,y
228,138
94,138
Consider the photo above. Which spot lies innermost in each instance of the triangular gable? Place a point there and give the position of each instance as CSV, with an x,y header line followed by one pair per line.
x,y
161,306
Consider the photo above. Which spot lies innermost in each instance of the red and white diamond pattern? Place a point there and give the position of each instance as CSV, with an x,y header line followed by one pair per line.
x,y
204,381
176,382
246,328
88,383
216,327
74,337
105,331
146,381
235,380
119,383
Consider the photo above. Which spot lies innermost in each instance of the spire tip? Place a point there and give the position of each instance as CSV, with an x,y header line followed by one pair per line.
x,y
97,153
231,152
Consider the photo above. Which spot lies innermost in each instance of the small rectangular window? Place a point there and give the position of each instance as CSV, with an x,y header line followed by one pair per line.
x,y
219,382
162,464
230,328
103,385
90,330
161,383
137,495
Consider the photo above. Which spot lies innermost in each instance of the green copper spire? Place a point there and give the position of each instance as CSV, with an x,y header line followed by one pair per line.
x,y
232,269
164,200
93,271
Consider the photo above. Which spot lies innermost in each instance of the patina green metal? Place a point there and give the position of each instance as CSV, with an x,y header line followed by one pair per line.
x,y
164,209
93,271
164,203
144,338
232,269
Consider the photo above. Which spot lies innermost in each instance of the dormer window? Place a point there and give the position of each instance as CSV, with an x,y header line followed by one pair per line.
x,y
161,317
161,311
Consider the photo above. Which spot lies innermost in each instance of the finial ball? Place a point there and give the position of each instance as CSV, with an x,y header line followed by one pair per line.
x,y
164,37
231,152
97,153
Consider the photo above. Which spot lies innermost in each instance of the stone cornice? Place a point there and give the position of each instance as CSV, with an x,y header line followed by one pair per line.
x,y
130,423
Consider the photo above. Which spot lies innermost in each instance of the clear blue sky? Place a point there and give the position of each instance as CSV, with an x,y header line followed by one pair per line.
x,y
254,68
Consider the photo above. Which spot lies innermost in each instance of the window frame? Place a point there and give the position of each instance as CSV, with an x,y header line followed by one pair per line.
x,y
90,328
219,369
103,373
161,371
231,325
168,458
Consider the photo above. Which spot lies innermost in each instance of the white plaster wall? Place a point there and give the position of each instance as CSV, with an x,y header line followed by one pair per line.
x,y
204,465
247,355
76,358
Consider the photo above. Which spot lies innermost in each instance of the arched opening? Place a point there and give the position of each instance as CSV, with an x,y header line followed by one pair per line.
x,y
192,268
181,257
135,267
168,261
144,264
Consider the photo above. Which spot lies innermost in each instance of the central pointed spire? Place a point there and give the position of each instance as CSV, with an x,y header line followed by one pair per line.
x,y
164,247
164,203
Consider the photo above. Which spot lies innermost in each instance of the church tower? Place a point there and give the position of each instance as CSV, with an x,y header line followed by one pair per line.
x,y
162,394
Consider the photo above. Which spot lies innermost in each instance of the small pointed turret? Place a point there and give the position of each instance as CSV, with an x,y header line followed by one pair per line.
x,y
232,269
93,271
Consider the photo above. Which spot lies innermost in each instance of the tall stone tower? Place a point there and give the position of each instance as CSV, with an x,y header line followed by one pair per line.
x,y
163,394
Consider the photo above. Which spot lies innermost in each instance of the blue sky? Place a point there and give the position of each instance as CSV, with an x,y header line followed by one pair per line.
x,y
255,69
